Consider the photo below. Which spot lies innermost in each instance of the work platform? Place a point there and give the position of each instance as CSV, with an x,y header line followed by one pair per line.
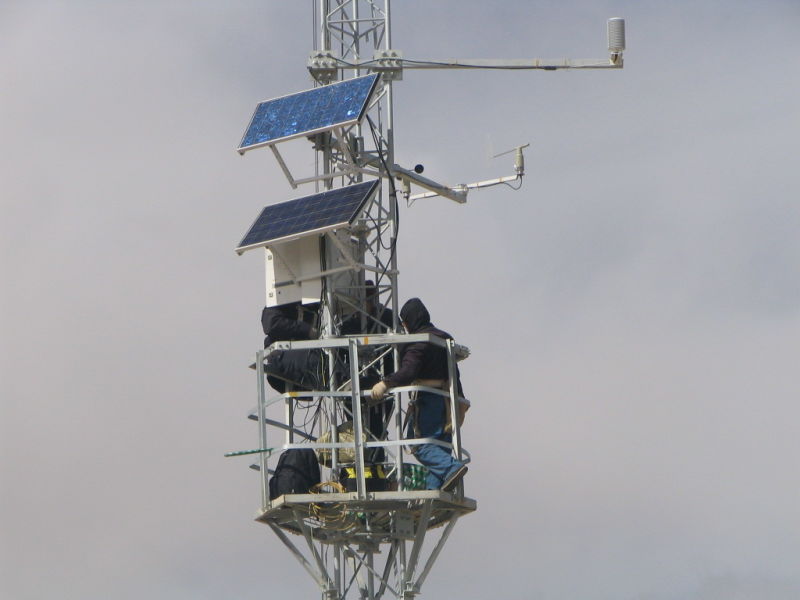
x,y
367,525
380,517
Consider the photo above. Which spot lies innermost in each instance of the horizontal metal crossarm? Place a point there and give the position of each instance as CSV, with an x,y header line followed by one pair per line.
x,y
614,61
545,64
341,445
367,340
314,394
435,188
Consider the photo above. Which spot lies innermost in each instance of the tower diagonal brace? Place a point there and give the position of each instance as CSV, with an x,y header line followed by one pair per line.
x,y
310,541
316,575
435,554
419,539
386,570
383,577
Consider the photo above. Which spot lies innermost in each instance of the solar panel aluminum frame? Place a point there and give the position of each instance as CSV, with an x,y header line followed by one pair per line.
x,y
289,238
318,231
307,133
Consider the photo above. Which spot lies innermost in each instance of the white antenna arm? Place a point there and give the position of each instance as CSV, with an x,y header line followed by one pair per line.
x,y
462,189
392,63
456,193
407,176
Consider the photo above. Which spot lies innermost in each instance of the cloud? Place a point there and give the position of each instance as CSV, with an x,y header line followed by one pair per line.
x,y
632,311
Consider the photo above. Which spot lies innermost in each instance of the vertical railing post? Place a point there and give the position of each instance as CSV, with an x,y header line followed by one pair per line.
x,y
358,427
262,429
289,415
452,370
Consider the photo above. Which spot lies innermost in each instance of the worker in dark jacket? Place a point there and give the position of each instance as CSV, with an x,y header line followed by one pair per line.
x,y
287,322
375,319
424,361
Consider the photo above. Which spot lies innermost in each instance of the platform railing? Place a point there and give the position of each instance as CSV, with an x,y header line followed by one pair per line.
x,y
329,404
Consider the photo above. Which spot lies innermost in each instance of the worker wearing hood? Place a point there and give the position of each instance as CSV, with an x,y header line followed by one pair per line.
x,y
425,361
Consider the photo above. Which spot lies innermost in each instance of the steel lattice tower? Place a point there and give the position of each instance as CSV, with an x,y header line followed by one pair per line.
x,y
362,542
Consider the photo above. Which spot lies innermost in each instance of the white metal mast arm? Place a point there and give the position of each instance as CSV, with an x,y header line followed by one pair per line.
x,y
324,64
393,63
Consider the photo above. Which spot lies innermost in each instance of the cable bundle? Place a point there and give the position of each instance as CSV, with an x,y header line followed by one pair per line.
x,y
335,516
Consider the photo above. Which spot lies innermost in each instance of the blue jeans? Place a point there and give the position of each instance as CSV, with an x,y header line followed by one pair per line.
x,y
430,421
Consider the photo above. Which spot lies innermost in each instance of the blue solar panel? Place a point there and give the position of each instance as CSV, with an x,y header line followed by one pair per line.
x,y
316,213
308,112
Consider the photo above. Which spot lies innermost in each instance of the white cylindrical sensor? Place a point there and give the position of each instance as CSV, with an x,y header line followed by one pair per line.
x,y
616,35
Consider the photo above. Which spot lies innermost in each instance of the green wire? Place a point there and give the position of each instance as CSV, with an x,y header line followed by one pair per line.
x,y
244,452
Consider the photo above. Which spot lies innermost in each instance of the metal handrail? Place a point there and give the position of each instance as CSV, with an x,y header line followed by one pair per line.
x,y
359,443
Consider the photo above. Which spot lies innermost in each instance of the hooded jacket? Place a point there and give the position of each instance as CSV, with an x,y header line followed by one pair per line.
x,y
281,323
419,360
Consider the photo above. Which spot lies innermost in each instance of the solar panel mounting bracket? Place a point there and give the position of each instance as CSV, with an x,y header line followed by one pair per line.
x,y
284,168
348,167
312,276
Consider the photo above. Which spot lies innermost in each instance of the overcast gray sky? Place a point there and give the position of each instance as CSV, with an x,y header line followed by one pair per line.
x,y
633,312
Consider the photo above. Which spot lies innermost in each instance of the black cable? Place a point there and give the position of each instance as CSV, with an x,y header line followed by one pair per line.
x,y
468,66
393,198
514,187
